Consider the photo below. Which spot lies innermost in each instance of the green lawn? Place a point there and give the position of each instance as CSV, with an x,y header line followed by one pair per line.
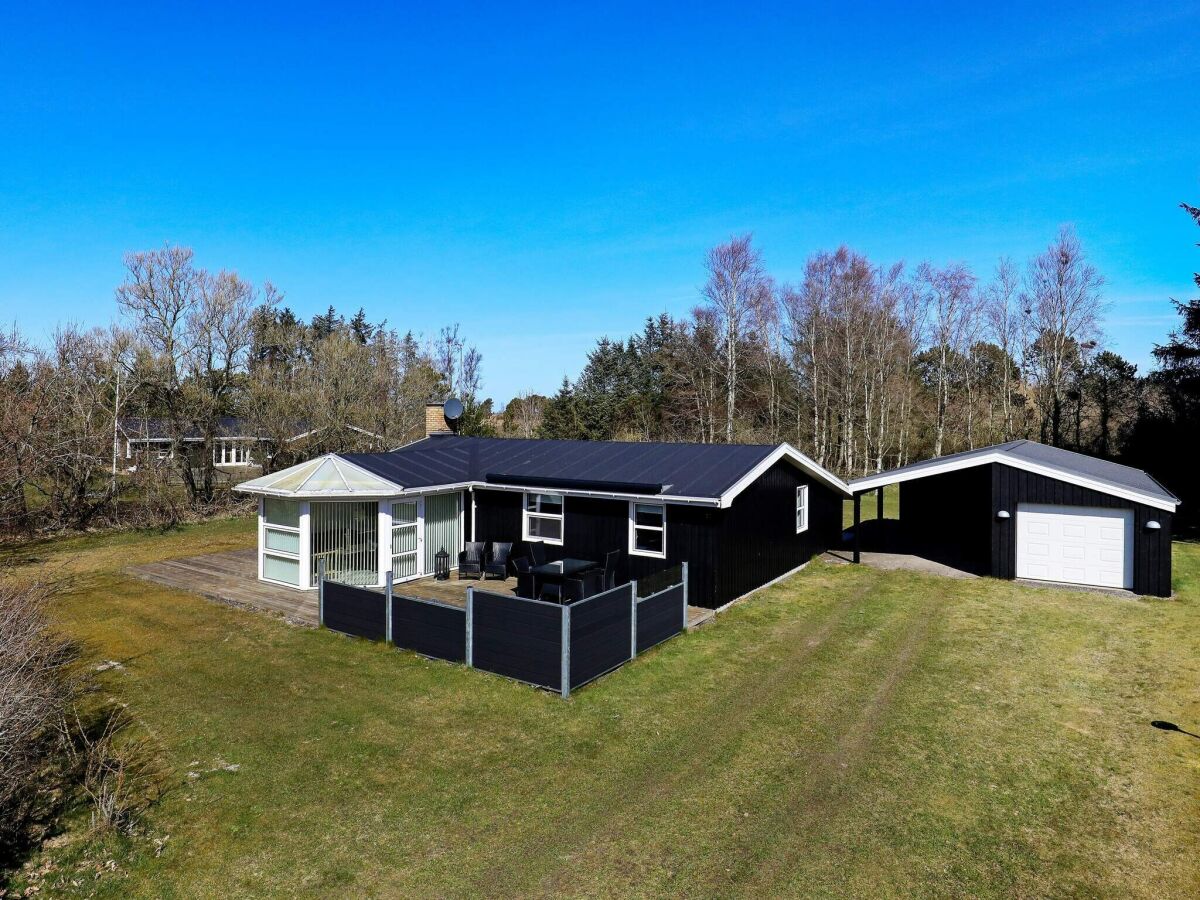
x,y
845,732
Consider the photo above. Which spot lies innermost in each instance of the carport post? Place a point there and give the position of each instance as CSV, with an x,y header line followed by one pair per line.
x,y
321,591
879,503
857,529
387,598
470,627
685,596
566,651
633,619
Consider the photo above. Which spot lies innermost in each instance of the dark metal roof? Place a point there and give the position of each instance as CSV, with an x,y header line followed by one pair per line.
x,y
1065,461
160,429
680,470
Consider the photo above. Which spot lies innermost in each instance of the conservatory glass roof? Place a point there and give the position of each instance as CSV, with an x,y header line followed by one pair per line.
x,y
325,476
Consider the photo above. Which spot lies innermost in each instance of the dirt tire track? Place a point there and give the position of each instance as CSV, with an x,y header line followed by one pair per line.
x,y
654,786
831,773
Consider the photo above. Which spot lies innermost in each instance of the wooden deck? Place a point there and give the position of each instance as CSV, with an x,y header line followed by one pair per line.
x,y
452,590
232,578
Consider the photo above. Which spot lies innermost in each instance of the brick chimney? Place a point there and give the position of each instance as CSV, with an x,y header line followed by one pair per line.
x,y
435,420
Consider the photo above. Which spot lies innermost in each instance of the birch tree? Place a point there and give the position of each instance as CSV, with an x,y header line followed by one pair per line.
x,y
1066,304
735,285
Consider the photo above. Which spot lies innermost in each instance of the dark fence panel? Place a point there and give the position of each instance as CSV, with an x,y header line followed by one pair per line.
x,y
659,581
659,618
600,633
433,629
518,638
355,610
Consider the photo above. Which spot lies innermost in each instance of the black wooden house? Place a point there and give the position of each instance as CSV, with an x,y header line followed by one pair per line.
x,y
739,515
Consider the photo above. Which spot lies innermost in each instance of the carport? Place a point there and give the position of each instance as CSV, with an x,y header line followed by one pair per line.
x,y
1026,510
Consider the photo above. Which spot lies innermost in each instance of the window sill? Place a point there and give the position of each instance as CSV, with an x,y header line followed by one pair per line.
x,y
648,554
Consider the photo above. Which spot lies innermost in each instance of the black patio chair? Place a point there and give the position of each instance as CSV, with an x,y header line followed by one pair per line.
x,y
537,552
610,569
524,577
497,560
570,590
470,560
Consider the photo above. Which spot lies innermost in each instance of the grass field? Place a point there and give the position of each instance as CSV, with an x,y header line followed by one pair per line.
x,y
845,732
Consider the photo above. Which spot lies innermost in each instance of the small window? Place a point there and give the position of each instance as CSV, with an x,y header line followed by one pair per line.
x,y
281,512
647,529
543,518
802,508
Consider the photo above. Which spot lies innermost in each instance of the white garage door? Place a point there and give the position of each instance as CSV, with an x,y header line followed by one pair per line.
x,y
1076,544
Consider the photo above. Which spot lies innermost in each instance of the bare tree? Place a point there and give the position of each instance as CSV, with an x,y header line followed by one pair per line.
x,y
734,287
1006,325
526,413
197,329
950,296
1065,299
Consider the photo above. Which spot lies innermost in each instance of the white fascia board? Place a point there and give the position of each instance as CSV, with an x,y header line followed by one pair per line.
x,y
794,456
1005,459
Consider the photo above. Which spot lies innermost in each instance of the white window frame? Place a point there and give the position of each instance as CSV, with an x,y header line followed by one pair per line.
x,y
801,508
527,514
634,526
229,452
299,556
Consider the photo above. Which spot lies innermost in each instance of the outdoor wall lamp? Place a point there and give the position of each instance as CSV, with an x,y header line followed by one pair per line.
x,y
1003,514
1152,525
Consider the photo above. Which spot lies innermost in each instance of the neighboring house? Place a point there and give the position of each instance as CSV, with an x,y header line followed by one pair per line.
x,y
236,445
1026,510
740,515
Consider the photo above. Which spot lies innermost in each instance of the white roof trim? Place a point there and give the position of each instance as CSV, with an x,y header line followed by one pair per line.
x,y
1007,459
796,458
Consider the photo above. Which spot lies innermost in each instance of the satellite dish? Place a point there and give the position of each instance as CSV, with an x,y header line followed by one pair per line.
x,y
452,409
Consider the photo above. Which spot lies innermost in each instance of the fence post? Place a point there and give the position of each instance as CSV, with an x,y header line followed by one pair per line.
x,y
387,598
685,596
566,651
633,619
321,592
469,654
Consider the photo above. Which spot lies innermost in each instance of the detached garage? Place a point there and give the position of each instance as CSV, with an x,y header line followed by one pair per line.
x,y
1025,510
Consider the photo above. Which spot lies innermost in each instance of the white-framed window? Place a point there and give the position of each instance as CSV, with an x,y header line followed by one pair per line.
x,y
281,541
647,529
404,538
542,518
231,453
802,508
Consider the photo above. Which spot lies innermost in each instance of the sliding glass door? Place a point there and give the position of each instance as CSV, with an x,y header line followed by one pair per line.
x,y
443,514
346,536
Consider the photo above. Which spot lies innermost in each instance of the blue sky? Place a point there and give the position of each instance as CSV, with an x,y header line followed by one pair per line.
x,y
548,174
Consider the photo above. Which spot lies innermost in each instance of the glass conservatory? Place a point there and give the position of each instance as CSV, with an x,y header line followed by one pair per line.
x,y
359,526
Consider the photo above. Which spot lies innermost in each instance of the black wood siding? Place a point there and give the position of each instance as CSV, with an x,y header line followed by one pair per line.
x,y
517,638
659,617
1010,486
355,610
593,527
433,629
946,518
601,634
755,539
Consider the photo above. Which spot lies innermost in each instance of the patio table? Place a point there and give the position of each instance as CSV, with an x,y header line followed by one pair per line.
x,y
557,571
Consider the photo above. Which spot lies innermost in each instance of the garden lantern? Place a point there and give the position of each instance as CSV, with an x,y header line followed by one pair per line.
x,y
441,565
